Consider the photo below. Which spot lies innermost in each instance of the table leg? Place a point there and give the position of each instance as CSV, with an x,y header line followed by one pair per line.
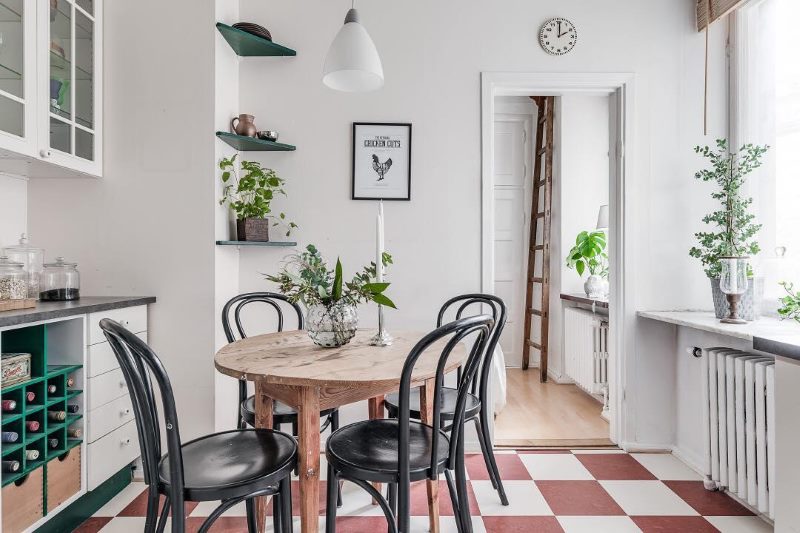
x,y
309,449
263,420
426,412
376,411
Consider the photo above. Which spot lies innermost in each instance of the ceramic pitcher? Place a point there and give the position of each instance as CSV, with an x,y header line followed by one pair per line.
x,y
244,125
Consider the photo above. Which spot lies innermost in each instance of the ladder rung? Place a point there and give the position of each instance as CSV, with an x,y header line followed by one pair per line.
x,y
541,183
535,345
539,215
542,119
536,279
541,150
537,312
538,247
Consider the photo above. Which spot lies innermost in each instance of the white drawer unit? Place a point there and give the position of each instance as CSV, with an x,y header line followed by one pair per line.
x,y
108,417
105,388
101,358
132,318
110,453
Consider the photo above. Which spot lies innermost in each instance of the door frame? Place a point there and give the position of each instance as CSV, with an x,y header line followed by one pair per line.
x,y
621,86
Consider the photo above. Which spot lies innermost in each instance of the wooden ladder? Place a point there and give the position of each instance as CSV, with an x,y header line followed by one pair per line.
x,y
542,189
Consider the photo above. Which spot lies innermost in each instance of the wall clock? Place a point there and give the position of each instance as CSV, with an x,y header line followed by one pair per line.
x,y
558,36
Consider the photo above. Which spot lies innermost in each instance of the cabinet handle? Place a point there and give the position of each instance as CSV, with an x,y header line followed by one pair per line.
x,y
125,442
44,152
125,412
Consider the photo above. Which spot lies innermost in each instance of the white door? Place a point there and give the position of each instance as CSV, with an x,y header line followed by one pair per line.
x,y
512,199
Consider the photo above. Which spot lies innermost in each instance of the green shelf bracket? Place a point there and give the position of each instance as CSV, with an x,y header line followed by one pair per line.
x,y
249,45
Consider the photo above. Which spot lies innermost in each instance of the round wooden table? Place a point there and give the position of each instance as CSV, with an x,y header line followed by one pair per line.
x,y
288,367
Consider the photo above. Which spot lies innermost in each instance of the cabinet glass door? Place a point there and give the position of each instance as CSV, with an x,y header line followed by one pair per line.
x,y
12,59
72,123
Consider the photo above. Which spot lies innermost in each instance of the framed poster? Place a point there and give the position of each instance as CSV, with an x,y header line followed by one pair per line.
x,y
381,161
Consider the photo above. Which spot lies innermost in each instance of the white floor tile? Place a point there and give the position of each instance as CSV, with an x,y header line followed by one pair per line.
x,y
647,498
597,524
666,466
524,499
121,500
740,524
206,508
555,466
357,502
447,524
126,524
598,450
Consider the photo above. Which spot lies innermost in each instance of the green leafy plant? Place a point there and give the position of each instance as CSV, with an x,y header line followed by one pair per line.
x,y
306,278
589,253
790,304
733,230
249,192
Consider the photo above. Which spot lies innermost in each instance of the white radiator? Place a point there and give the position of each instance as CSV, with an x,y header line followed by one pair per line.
x,y
586,350
739,416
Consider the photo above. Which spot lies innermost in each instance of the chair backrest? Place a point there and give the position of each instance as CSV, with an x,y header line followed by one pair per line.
x,y
453,333
483,304
274,301
141,367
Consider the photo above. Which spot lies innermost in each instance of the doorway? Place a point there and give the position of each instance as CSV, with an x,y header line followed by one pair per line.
x,y
565,410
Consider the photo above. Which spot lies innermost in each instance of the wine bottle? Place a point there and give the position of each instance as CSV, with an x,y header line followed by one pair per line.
x,y
10,436
52,443
74,433
31,455
9,405
32,425
57,416
51,389
70,381
30,395
10,466
73,408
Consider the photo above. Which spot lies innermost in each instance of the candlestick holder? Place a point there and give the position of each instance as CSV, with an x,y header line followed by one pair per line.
x,y
382,337
733,282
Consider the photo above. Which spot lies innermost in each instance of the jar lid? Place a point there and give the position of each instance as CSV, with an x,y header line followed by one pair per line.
x,y
23,245
6,262
60,263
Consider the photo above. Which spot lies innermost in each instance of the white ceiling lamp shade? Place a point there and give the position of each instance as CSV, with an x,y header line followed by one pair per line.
x,y
353,64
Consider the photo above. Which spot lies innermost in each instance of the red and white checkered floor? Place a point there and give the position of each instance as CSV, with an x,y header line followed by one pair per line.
x,y
593,491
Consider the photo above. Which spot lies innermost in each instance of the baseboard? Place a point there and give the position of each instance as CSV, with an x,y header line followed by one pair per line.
x,y
689,461
636,447
553,443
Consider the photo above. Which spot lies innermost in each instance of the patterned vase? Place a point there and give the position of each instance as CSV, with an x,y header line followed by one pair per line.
x,y
749,305
596,287
331,326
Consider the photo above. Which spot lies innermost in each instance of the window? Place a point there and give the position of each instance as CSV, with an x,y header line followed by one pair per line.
x,y
765,105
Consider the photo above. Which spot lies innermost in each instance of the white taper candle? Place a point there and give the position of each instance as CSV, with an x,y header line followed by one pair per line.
x,y
379,244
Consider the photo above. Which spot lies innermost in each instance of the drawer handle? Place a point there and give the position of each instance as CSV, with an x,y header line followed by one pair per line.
x,y
125,442
125,412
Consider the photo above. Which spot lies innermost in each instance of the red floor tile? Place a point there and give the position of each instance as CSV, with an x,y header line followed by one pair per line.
x,y
521,524
616,466
578,498
419,500
706,502
223,524
673,524
510,466
323,498
93,524
138,507
360,524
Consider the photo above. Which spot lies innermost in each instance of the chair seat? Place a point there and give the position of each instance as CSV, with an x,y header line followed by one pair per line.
x,y
233,463
281,413
367,450
447,401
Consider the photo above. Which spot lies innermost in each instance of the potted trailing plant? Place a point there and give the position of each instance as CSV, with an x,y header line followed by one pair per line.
x,y
589,254
789,304
249,193
733,229
330,302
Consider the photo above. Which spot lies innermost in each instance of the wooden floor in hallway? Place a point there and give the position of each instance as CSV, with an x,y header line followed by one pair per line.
x,y
548,414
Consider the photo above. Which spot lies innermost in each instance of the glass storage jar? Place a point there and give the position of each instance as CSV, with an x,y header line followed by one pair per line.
x,y
32,259
60,281
13,280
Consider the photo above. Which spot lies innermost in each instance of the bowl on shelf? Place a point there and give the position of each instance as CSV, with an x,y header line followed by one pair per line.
x,y
254,29
268,135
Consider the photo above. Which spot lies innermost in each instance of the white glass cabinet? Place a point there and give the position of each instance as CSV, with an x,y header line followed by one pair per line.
x,y
51,87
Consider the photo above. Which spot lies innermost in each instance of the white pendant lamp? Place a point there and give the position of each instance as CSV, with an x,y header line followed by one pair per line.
x,y
353,64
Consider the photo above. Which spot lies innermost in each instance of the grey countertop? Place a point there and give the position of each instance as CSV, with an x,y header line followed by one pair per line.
x,y
87,304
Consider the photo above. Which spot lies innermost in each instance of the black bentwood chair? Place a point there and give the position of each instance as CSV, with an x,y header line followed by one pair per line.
x,y
231,466
478,409
399,451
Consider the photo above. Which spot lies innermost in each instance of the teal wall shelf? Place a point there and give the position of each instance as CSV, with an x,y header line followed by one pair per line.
x,y
249,45
280,244
252,144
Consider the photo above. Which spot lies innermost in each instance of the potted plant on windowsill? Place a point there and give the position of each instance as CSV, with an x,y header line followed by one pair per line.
x,y
249,193
589,254
733,229
330,302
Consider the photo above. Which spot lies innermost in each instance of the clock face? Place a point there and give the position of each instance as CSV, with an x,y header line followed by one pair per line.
x,y
558,36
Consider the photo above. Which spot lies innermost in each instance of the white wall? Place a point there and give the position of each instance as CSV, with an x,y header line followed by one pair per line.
x,y
14,210
584,146
147,227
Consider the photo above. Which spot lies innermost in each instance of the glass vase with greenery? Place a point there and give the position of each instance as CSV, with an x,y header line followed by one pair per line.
x,y
330,301
789,304
249,191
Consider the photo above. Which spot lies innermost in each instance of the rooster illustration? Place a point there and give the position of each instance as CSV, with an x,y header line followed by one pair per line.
x,y
381,168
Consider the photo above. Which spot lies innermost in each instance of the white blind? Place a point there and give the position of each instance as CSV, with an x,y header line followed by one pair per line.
x,y
711,10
